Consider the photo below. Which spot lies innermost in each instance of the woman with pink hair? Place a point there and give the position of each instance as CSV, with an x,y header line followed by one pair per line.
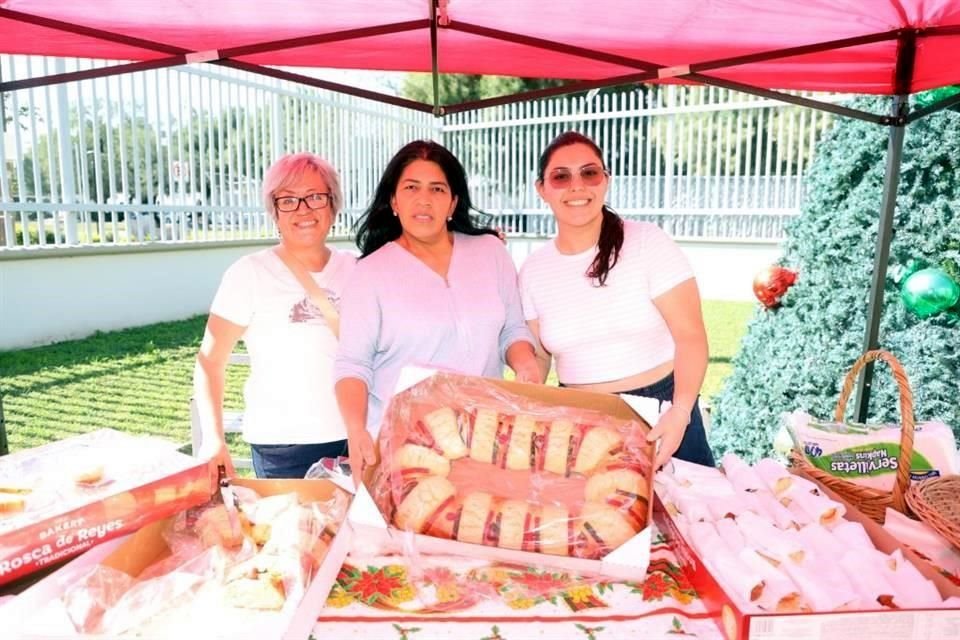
x,y
283,302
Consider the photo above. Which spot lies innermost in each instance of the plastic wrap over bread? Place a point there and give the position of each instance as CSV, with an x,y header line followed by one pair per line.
x,y
214,574
465,459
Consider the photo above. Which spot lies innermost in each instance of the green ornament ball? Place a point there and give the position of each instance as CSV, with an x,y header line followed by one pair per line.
x,y
929,291
927,98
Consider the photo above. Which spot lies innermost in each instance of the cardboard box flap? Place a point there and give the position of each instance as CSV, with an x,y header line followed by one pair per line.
x,y
609,404
650,409
144,547
363,510
411,376
632,554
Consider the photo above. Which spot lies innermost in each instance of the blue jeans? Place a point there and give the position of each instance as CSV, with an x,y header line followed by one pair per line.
x,y
292,460
693,447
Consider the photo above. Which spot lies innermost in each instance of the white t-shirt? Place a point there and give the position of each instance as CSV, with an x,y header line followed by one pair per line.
x,y
600,334
289,396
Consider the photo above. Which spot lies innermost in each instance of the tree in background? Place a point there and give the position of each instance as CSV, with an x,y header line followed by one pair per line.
x,y
125,139
223,154
795,356
7,114
143,155
484,156
455,87
10,117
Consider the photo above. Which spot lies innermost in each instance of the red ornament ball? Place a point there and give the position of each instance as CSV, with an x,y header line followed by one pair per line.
x,y
771,283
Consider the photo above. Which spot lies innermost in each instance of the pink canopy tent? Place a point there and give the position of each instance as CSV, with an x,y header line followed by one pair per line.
x,y
856,46
886,47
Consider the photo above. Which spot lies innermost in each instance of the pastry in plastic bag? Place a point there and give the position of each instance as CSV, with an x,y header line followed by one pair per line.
x,y
463,458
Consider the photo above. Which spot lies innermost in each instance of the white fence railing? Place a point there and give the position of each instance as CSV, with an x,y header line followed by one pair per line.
x,y
177,155
731,224
174,154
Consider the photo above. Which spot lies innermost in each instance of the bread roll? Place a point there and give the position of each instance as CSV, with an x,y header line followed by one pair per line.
x,y
8,486
442,425
473,517
264,592
426,498
520,449
88,474
260,533
557,447
513,518
597,444
11,503
555,531
414,460
215,529
605,525
484,434
619,484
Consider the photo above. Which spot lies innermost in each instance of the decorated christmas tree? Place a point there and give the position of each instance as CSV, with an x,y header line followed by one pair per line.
x,y
794,355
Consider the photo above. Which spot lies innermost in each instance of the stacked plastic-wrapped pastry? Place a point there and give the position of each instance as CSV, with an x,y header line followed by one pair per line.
x,y
776,543
609,493
215,573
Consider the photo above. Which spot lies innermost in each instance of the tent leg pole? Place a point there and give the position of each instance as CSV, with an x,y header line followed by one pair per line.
x,y
434,60
4,445
891,181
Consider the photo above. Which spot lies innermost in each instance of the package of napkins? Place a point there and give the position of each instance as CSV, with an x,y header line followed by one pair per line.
x,y
869,455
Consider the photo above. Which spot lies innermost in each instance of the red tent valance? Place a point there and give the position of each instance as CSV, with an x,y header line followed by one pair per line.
x,y
651,33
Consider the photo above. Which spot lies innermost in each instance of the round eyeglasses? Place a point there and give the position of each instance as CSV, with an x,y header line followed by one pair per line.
x,y
289,204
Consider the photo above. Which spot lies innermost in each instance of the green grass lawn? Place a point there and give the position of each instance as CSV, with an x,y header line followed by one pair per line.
x,y
139,380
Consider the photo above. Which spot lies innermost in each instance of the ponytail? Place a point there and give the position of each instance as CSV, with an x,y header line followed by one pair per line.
x,y
608,246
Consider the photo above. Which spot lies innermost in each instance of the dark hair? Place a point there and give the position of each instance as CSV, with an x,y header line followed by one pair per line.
x,y
611,228
378,225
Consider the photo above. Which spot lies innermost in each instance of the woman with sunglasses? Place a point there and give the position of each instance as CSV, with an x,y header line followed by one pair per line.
x,y
615,302
291,418
430,288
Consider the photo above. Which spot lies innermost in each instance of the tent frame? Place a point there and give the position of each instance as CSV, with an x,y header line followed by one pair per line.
x,y
897,119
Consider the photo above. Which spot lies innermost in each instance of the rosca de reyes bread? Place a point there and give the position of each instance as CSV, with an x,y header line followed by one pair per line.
x,y
615,495
416,460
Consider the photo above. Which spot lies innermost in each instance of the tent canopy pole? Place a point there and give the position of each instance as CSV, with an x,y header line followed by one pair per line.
x,y
891,181
906,55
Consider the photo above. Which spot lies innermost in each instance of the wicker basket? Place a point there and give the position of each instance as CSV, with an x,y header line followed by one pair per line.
x,y
937,502
872,502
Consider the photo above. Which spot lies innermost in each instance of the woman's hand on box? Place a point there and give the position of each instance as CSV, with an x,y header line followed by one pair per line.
x,y
362,454
669,431
216,453
522,358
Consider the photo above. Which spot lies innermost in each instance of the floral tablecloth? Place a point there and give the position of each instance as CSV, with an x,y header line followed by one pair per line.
x,y
391,597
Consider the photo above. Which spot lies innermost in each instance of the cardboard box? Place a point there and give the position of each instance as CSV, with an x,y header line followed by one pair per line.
x,y
899,624
133,553
626,562
144,479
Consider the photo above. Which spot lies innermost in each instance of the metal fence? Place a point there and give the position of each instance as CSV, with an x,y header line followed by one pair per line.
x,y
174,155
177,155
